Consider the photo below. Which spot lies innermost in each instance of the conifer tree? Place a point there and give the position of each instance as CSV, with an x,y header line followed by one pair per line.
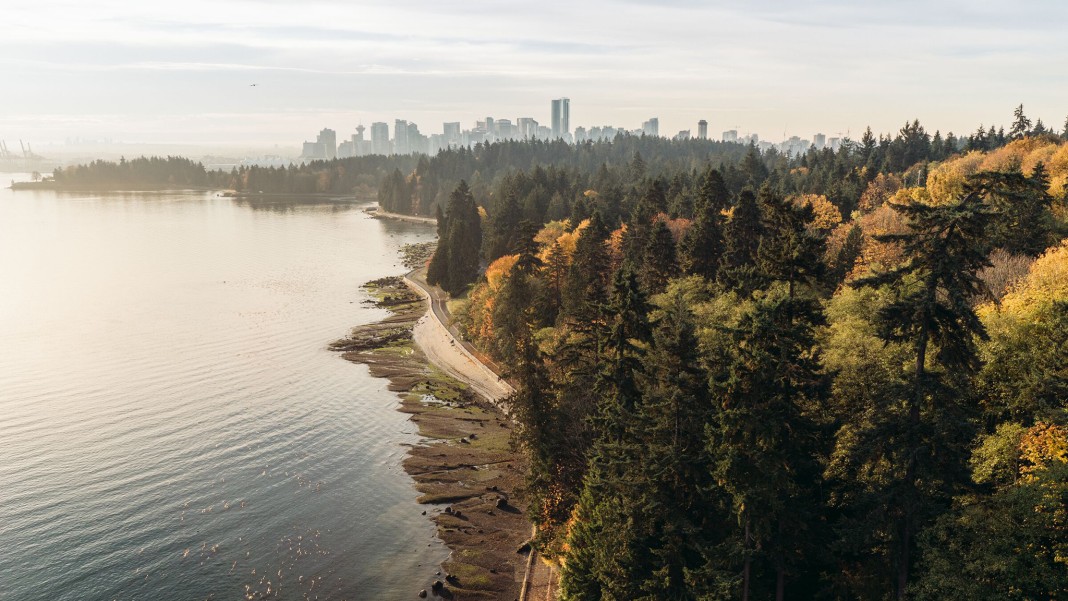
x,y
945,247
501,228
702,247
788,251
680,520
766,443
659,261
1023,223
1021,125
741,241
753,166
602,558
455,262
586,290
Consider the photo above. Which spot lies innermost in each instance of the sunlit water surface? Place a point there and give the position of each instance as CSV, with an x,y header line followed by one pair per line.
x,y
172,425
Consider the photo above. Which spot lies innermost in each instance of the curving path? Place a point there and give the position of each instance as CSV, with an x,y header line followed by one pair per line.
x,y
455,357
445,350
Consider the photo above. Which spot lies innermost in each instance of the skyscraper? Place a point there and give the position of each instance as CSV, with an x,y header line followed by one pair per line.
x,y
651,127
380,138
400,137
561,117
452,132
528,128
702,129
328,138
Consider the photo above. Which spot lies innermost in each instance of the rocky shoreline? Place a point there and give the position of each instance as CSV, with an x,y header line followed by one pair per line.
x,y
467,471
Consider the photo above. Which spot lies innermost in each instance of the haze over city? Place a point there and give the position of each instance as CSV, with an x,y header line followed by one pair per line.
x,y
151,74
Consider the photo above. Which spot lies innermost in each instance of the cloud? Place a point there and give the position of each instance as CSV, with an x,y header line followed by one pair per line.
x,y
828,64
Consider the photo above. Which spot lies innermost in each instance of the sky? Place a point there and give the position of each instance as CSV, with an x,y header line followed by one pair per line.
x,y
181,72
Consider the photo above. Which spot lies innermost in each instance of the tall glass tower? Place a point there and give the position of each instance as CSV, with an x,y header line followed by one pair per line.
x,y
561,117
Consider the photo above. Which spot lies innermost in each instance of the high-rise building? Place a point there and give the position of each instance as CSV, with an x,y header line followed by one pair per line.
x,y
313,151
819,141
452,133
328,138
400,137
417,142
561,117
651,127
580,135
528,128
731,135
702,129
682,135
380,138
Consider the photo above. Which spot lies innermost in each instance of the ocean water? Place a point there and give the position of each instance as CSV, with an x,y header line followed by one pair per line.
x,y
172,425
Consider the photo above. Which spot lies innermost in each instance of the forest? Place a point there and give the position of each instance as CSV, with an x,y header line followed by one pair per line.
x,y
360,176
842,375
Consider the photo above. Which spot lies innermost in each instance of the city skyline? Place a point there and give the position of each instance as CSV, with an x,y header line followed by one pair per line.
x,y
408,139
146,73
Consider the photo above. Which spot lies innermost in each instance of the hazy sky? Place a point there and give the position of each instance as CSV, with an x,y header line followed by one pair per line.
x,y
149,71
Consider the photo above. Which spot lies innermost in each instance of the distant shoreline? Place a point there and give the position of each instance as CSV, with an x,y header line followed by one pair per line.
x,y
378,213
53,186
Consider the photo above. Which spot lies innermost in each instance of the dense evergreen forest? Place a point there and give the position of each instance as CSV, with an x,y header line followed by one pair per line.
x,y
361,175
749,376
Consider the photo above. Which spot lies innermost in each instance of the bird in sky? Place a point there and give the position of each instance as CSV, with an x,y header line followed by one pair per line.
x,y
252,85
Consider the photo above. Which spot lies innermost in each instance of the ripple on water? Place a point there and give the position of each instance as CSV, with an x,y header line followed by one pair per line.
x,y
171,423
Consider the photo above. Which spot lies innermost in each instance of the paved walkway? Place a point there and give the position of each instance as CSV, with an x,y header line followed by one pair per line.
x,y
455,357
445,350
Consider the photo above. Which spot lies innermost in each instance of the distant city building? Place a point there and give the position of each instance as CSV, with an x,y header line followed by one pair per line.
x,y
361,147
452,133
528,128
794,146
683,135
702,129
400,137
835,143
328,138
651,127
731,135
417,142
346,149
819,141
436,143
313,151
561,117
380,138
581,135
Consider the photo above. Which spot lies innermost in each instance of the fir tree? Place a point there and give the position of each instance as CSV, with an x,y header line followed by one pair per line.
x,y
766,443
1021,125
741,241
932,311
455,262
659,261
702,247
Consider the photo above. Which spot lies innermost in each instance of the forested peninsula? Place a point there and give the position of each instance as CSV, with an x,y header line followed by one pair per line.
x,y
842,375
748,375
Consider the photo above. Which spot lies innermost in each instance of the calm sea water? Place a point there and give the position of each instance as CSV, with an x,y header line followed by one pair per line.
x,y
171,423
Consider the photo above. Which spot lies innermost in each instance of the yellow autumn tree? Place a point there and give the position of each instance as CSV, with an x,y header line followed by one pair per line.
x,y
1040,446
482,297
827,216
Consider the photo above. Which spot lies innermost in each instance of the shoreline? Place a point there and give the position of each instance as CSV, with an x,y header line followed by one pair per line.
x,y
468,476
376,212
